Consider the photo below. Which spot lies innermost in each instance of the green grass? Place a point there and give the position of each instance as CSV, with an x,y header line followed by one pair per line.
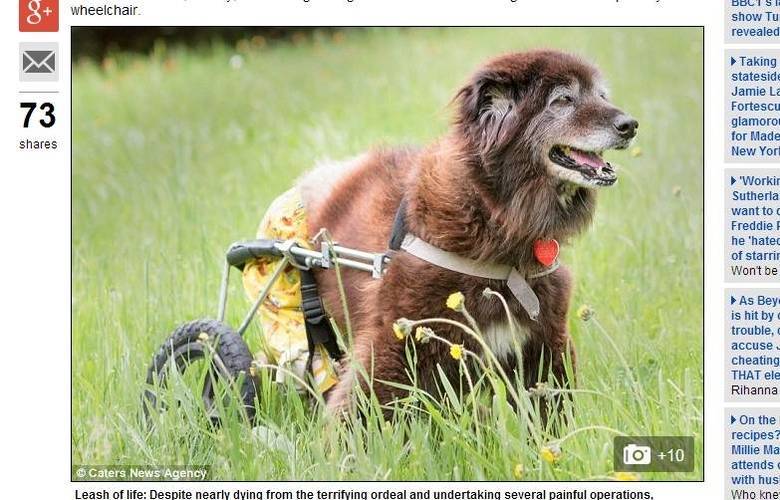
x,y
178,154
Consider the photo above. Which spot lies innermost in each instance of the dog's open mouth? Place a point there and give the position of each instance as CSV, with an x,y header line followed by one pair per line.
x,y
589,164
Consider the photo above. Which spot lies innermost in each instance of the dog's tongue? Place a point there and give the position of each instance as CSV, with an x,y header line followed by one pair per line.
x,y
586,158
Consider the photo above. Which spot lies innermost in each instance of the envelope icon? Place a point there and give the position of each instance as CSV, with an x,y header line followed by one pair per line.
x,y
39,61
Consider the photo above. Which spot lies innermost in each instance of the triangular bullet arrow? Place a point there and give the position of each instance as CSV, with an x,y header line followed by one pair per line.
x,y
733,181
733,300
733,419
733,61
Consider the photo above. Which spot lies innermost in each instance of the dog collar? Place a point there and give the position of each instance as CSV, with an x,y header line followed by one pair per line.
x,y
545,251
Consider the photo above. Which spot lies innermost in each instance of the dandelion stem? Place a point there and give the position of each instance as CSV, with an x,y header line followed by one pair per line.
x,y
509,316
513,327
298,379
342,290
485,348
590,428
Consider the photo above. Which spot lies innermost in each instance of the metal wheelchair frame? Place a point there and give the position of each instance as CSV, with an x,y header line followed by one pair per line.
x,y
290,252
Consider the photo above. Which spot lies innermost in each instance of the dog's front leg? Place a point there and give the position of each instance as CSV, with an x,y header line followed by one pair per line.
x,y
377,358
549,369
553,364
548,355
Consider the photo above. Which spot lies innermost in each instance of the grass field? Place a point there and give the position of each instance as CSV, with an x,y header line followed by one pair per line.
x,y
177,154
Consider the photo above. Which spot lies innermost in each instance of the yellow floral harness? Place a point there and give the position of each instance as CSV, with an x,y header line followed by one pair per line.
x,y
284,342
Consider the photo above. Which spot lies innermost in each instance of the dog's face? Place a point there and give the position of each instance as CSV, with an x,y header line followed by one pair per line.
x,y
543,113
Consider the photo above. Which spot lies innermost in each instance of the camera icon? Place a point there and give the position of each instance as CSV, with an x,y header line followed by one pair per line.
x,y
634,454
653,454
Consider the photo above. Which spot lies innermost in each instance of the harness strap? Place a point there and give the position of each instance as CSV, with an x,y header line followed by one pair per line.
x,y
452,261
399,227
319,331
401,239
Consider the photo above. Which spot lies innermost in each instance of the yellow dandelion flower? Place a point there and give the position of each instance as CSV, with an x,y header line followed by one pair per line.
x,y
585,312
203,337
518,471
456,351
625,476
423,334
636,151
402,328
455,301
550,454
398,331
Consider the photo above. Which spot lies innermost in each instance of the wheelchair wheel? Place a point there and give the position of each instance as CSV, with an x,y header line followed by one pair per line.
x,y
203,341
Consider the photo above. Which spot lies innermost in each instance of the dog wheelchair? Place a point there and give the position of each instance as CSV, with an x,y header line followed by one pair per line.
x,y
228,358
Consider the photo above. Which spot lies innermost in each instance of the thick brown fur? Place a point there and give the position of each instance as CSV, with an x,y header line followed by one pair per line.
x,y
484,191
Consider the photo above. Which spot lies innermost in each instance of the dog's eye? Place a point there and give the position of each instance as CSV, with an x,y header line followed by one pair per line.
x,y
563,100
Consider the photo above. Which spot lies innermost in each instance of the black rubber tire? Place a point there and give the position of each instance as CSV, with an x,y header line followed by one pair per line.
x,y
184,346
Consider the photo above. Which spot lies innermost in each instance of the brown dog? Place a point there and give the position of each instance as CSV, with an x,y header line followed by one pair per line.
x,y
520,165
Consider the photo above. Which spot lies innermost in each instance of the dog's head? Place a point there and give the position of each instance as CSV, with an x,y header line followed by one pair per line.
x,y
542,113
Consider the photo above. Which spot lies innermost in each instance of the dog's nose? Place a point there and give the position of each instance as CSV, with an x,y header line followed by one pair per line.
x,y
626,126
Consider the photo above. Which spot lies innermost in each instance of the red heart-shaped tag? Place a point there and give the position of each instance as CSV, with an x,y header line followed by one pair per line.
x,y
546,251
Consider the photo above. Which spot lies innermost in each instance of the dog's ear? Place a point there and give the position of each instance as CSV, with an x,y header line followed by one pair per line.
x,y
487,110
